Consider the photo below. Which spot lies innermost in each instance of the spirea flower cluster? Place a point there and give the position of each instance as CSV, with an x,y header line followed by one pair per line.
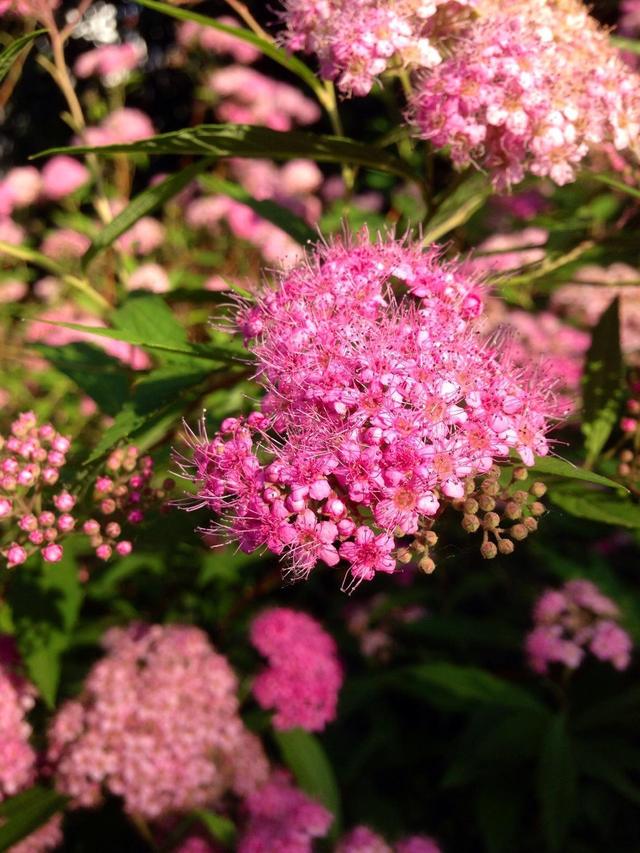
x,y
573,620
357,41
529,87
40,516
157,724
362,839
17,756
383,404
304,676
282,819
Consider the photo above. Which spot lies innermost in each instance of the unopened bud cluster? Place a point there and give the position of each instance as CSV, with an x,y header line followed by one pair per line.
x,y
504,514
37,513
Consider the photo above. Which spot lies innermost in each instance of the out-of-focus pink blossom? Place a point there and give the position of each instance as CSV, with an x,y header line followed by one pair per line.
x,y
65,243
303,677
362,839
12,290
190,34
11,232
147,235
20,187
123,125
62,176
28,8
149,277
505,252
126,733
573,620
110,60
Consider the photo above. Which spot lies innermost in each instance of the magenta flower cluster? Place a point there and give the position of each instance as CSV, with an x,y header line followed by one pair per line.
x,y
383,403
573,620
529,87
357,41
282,819
362,839
126,733
18,759
304,676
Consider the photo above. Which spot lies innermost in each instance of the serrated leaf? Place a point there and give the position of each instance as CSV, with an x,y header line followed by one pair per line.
x,y
556,783
287,221
268,48
304,756
144,203
99,375
13,51
468,684
458,208
595,505
560,468
45,601
23,814
250,141
602,382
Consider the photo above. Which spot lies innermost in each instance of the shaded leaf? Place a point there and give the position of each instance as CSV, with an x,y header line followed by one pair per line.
x,y
602,382
26,812
556,783
13,51
458,208
245,140
144,203
499,808
220,828
614,182
304,756
596,505
561,468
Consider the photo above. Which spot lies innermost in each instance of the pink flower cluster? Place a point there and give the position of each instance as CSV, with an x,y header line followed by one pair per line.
x,y
357,41
382,405
126,733
362,839
303,677
530,87
575,618
123,125
28,8
31,457
110,61
190,35
17,756
282,819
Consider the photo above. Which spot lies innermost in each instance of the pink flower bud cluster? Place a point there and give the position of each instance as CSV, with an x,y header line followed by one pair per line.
x,y
530,87
357,41
365,840
190,35
17,756
382,402
112,62
303,677
156,724
282,819
572,620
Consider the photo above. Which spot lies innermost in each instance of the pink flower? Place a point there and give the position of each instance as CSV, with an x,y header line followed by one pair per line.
x,y
368,554
62,176
20,187
189,35
144,237
65,243
363,840
149,277
122,125
304,676
110,60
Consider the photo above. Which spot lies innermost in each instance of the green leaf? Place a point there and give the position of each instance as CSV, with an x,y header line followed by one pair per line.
x,y
614,182
468,684
556,783
143,204
457,208
45,601
220,828
596,760
561,468
602,382
268,48
26,812
13,51
611,710
500,806
303,754
245,140
287,221
595,505
632,45
99,375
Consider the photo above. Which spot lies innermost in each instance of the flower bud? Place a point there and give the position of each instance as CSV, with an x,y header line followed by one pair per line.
x,y
52,553
520,473
518,532
491,521
103,552
538,490
471,506
486,503
470,523
488,550
512,510
427,565
506,546
537,508
531,524
15,555
124,548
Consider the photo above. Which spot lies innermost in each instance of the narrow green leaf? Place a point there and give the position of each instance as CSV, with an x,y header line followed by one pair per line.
x,y
287,221
468,684
268,48
26,812
220,828
143,204
602,388
31,256
45,601
614,182
303,754
561,468
594,505
458,208
632,45
13,51
556,783
500,805
245,140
